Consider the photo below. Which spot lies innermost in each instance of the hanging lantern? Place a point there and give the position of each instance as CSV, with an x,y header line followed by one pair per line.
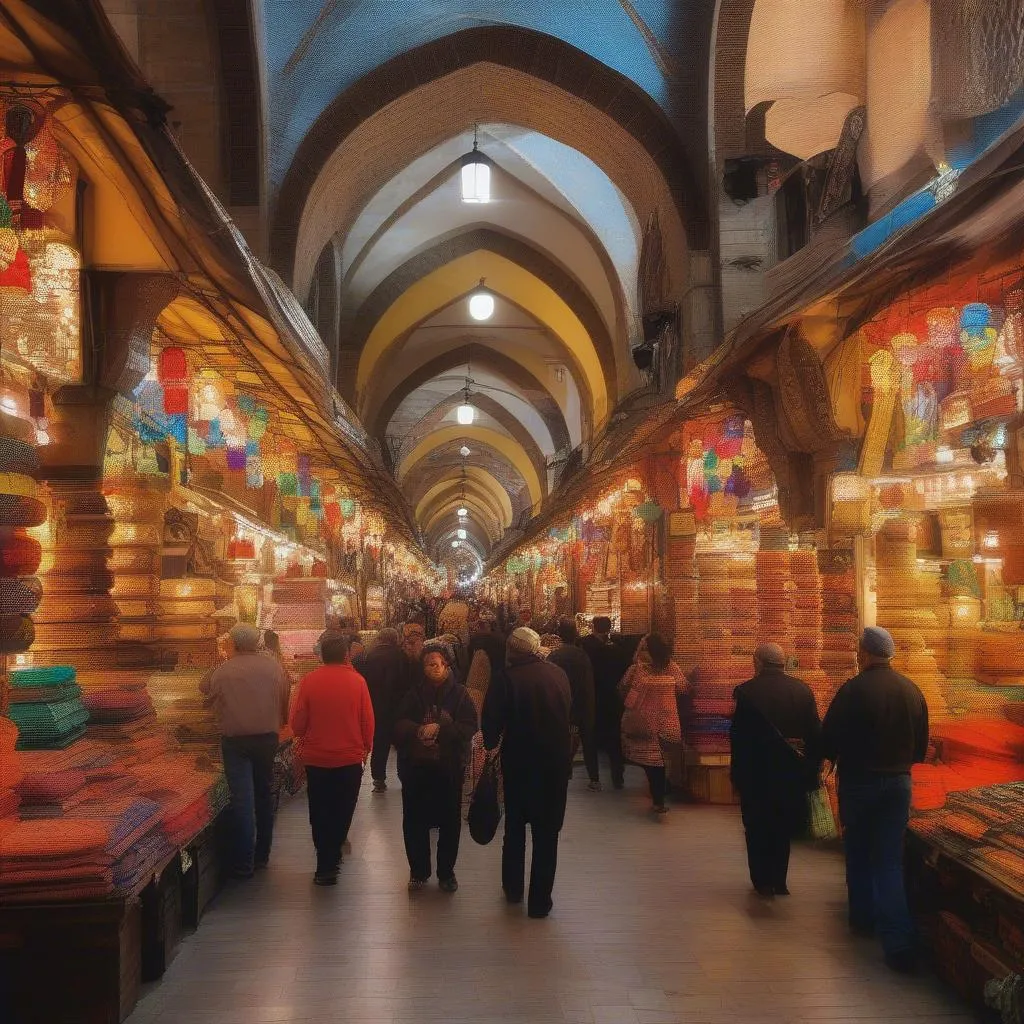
x,y
648,511
475,177
481,303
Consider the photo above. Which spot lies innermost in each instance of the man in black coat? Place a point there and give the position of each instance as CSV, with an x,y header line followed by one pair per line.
x,y
875,729
573,661
529,708
775,742
609,662
387,677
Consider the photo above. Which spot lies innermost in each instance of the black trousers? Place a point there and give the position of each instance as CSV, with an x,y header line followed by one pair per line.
x,y
657,781
431,799
608,737
382,736
588,741
544,860
769,821
333,793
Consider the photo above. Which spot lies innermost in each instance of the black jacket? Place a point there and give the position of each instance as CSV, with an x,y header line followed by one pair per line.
x,y
450,706
529,707
609,662
775,739
573,661
386,675
877,724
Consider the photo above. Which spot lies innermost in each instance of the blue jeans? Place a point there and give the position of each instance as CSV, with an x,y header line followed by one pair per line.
x,y
249,768
874,812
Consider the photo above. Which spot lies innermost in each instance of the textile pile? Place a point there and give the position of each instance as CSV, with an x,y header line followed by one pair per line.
x,y
47,707
299,614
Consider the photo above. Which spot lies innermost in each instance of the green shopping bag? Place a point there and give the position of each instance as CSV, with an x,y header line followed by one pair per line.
x,y
821,824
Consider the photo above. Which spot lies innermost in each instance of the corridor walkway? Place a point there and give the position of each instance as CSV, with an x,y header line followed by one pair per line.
x,y
652,924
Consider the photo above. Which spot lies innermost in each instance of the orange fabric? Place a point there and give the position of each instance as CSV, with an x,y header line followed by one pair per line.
x,y
333,717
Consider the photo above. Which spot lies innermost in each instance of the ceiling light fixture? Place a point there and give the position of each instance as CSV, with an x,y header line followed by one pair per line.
x,y
455,543
476,174
461,534
481,303
462,513
465,452
465,413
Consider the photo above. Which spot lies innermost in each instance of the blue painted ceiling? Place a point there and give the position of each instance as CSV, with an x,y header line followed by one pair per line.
x,y
316,49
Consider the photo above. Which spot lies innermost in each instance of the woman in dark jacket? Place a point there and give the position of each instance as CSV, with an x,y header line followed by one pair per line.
x,y
436,722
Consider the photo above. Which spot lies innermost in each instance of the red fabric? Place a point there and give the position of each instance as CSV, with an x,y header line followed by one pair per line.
x,y
333,717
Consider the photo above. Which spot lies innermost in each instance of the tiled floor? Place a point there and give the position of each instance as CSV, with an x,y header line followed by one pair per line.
x,y
652,924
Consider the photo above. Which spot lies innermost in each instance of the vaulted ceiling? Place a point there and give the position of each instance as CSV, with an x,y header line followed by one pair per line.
x,y
593,119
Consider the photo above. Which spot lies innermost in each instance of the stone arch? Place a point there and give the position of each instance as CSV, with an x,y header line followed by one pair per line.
x,y
513,249
534,78
543,401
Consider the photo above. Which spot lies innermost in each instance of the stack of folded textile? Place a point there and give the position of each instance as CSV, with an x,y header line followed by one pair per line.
x,y
100,849
182,710
21,507
55,716
299,613
681,581
775,597
838,628
187,626
10,770
189,799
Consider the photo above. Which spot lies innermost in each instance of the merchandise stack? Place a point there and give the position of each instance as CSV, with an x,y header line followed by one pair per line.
x,y
807,625
681,581
185,714
77,618
46,706
135,563
21,507
10,773
727,593
186,627
907,603
299,614
838,626
775,607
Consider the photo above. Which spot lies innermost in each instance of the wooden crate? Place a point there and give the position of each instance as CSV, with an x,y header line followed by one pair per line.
x,y
93,948
204,876
161,921
710,784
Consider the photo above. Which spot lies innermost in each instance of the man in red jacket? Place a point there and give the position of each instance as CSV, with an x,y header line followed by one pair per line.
x,y
333,718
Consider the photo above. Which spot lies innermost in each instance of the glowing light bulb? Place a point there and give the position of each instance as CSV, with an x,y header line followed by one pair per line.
x,y
481,305
465,414
462,512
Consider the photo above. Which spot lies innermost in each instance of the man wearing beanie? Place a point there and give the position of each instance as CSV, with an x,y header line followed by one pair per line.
x,y
875,729
529,708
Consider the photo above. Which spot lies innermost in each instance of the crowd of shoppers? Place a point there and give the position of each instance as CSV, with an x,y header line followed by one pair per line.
x,y
532,700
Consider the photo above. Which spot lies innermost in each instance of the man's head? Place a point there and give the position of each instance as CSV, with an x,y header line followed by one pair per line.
x,y
602,625
387,638
435,665
876,647
769,656
413,637
334,648
567,631
243,639
355,645
523,641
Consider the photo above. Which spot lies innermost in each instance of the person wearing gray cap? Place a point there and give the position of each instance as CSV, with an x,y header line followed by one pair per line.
x,y
875,729
775,740
249,693
528,708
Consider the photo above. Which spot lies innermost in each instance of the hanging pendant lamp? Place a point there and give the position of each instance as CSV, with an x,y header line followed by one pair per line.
x,y
476,175
481,303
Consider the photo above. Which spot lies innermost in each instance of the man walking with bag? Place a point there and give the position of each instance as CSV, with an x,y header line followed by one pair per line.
x,y
775,743
875,729
529,708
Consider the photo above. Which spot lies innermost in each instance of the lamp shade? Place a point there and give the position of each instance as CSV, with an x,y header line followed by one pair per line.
x,y
465,414
461,534
476,178
481,305
462,512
